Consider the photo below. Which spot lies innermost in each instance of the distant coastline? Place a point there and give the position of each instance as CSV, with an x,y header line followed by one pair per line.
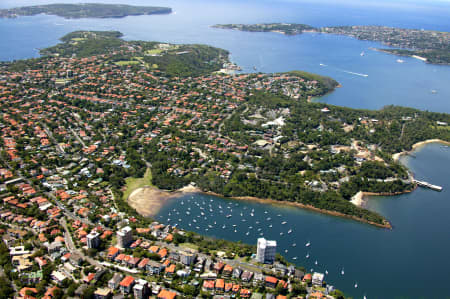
x,y
84,10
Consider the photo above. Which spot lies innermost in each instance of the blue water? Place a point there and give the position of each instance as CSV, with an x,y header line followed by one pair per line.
x,y
409,261
388,82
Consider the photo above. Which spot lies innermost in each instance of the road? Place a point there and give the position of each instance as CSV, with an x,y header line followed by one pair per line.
x,y
72,248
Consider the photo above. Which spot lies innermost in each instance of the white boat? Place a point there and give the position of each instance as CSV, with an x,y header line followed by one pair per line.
x,y
307,255
223,227
235,231
289,231
284,222
294,258
326,272
342,271
248,233
293,245
362,53
356,285
308,244
251,214
228,216
270,225
315,263
281,233
400,61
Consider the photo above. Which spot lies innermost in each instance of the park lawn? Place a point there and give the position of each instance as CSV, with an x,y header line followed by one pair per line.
x,y
188,245
78,39
136,183
153,52
127,62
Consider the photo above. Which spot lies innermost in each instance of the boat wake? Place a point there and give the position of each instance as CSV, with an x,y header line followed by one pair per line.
x,y
353,73
345,71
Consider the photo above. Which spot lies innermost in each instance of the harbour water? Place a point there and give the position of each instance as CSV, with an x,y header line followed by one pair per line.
x,y
399,263
411,261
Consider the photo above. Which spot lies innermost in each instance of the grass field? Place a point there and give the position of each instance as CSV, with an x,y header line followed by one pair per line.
x,y
127,62
136,183
153,52
78,39
188,245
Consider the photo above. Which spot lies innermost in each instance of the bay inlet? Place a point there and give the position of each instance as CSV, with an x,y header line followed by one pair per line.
x,y
370,256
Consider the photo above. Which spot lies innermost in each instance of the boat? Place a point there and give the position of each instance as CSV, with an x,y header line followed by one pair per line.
x,y
307,255
281,233
284,222
326,272
356,285
315,263
228,216
400,61
433,91
235,231
293,245
254,68
248,233
285,251
289,231
294,258
251,214
308,244
362,53
342,271
270,225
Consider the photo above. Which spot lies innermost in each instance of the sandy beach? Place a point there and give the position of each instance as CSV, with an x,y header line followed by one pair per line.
x,y
397,156
148,201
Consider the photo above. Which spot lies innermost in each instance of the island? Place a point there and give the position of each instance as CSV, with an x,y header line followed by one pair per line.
x,y
84,10
427,45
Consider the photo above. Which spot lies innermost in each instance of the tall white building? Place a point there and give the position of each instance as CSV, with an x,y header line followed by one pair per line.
x,y
93,240
266,251
124,237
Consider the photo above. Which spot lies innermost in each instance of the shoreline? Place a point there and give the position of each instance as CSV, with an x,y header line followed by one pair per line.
x,y
396,156
149,205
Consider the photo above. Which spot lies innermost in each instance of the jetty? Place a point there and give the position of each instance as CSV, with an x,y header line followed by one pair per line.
x,y
428,185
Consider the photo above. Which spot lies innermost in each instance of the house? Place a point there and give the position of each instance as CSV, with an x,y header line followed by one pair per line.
x,y
227,270
154,268
170,270
102,293
271,282
187,258
126,284
208,285
220,285
140,289
237,273
113,252
113,283
165,294
317,279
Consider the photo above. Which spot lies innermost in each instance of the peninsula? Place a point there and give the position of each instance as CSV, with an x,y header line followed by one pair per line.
x,y
178,110
84,10
430,46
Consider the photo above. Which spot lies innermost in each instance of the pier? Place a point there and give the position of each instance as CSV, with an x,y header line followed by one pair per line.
x,y
427,185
